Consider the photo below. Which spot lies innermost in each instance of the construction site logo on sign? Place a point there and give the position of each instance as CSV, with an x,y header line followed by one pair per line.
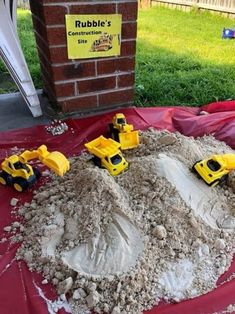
x,y
92,36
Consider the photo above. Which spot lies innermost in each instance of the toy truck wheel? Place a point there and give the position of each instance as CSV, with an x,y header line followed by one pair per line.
x,y
111,128
114,132
37,173
96,161
223,179
214,183
194,170
20,184
5,178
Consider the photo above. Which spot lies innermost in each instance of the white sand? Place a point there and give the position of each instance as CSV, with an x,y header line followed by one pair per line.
x,y
54,306
203,199
110,253
178,279
120,244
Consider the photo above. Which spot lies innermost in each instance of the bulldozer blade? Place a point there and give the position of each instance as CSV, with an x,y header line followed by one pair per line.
x,y
129,140
57,162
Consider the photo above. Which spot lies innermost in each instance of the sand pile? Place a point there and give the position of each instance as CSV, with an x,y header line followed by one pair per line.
x,y
119,245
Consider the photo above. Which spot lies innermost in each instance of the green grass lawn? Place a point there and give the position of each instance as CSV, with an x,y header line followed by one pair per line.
x,y
29,47
181,58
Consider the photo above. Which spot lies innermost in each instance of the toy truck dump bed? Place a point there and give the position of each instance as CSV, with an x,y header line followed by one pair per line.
x,y
102,147
107,155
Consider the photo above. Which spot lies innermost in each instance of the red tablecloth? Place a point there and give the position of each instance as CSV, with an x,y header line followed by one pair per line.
x,y
18,293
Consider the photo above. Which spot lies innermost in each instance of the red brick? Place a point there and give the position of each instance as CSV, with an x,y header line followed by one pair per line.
x,y
64,90
115,65
47,76
73,71
60,90
44,61
44,49
39,27
54,15
49,93
128,10
59,55
98,84
45,1
48,90
129,30
118,97
79,103
42,40
128,48
126,80
66,73
37,9
56,35
49,15
90,8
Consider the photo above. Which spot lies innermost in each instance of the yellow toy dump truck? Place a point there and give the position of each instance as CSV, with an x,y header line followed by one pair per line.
x,y
214,170
17,172
107,155
123,133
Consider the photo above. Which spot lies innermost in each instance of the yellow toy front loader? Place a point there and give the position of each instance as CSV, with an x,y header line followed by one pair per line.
x,y
214,170
123,132
18,173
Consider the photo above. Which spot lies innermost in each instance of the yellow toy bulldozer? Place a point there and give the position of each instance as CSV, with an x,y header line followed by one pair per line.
x,y
104,43
214,170
123,133
18,173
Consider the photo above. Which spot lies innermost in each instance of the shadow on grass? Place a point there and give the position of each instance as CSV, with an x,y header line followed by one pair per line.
x,y
164,78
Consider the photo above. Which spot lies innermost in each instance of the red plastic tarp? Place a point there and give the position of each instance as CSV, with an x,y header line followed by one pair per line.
x,y
18,292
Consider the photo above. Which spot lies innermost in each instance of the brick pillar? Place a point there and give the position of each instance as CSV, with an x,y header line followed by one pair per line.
x,y
84,84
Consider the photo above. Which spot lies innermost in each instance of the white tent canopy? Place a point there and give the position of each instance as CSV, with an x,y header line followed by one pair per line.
x,y
13,57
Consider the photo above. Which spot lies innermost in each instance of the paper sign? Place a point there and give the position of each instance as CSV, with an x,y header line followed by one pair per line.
x,y
92,36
